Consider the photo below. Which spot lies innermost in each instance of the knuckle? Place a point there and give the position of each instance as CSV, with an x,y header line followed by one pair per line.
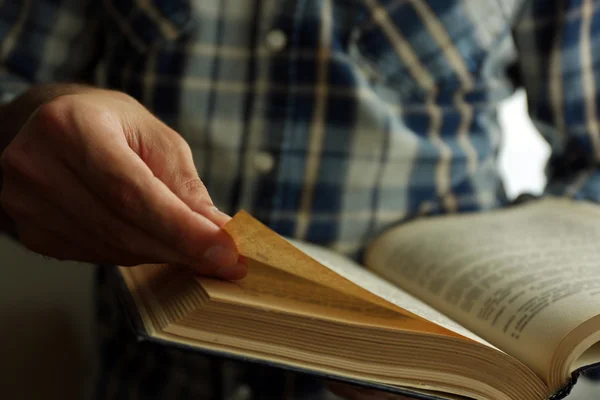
x,y
53,116
175,148
181,145
193,186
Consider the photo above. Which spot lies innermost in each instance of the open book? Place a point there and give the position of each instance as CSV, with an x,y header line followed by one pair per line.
x,y
492,306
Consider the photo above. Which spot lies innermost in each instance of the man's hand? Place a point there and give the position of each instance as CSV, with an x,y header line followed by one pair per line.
x,y
93,176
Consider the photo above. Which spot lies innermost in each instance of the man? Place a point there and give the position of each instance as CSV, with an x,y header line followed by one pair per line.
x,y
327,119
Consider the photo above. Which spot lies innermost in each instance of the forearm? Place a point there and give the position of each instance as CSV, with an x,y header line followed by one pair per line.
x,y
14,114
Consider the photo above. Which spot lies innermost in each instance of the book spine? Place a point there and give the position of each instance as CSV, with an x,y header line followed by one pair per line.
x,y
566,390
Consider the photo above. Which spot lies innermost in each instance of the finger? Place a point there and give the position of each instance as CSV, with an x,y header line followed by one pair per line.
x,y
45,230
53,244
66,238
128,187
170,159
79,243
56,192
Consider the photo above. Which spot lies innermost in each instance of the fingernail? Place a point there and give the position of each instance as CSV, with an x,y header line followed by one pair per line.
x,y
221,256
232,273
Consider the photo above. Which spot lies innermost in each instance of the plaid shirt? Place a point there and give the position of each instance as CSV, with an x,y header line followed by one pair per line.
x,y
329,120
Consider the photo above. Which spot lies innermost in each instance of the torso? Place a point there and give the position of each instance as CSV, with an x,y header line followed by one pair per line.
x,y
328,120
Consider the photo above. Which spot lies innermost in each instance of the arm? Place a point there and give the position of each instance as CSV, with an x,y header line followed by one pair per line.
x,y
560,69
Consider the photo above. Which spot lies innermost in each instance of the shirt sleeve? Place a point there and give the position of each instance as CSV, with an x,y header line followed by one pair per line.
x,y
45,41
558,44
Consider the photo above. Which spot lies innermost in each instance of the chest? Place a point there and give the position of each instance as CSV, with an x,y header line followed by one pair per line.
x,y
326,118
404,50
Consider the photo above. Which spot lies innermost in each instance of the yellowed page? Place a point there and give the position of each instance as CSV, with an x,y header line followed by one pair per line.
x,y
521,278
280,274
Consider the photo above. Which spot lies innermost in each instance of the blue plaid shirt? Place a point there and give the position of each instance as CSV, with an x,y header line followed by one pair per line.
x,y
329,120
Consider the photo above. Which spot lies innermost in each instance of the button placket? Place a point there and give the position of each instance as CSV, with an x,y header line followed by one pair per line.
x,y
263,162
274,39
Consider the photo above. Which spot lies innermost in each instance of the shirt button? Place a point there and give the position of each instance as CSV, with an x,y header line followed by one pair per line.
x,y
242,392
263,162
276,40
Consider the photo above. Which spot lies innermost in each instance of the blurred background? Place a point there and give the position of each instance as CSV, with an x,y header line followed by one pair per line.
x,y
46,320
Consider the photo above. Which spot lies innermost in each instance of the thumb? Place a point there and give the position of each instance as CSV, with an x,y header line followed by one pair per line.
x,y
170,159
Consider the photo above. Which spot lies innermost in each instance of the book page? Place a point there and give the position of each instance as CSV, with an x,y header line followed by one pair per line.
x,y
315,277
522,278
378,286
